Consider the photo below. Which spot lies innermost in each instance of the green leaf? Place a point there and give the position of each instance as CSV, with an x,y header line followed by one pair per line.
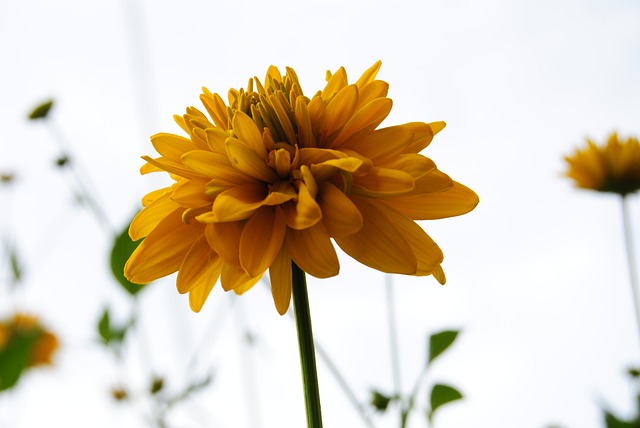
x,y
112,335
441,395
14,358
380,401
613,422
122,249
439,342
104,327
41,111
157,383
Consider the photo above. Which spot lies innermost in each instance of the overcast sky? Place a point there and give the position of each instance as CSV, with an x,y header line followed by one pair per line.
x,y
536,274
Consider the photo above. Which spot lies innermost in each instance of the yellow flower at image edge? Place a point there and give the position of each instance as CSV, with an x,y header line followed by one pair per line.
x,y
22,327
613,168
273,177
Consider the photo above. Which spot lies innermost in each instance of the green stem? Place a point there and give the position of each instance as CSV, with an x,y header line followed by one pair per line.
x,y
633,276
307,350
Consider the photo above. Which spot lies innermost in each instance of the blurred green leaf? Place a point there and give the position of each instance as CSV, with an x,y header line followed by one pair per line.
x,y
104,327
380,401
122,249
157,383
14,358
441,395
613,422
16,270
634,372
439,342
62,161
41,111
110,334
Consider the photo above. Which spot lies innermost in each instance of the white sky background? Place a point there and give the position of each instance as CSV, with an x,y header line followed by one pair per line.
x,y
537,278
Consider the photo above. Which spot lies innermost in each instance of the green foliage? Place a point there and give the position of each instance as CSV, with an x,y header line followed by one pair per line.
x,y
110,334
439,342
380,401
441,395
157,383
122,249
613,422
14,358
14,263
41,111
62,161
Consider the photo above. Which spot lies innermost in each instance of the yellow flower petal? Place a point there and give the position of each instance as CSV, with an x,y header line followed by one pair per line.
x,y
413,164
216,108
335,83
247,285
280,278
162,251
305,130
378,244
190,193
216,138
224,239
311,249
233,277
162,164
369,75
371,91
261,239
366,119
154,195
454,201
435,128
208,164
431,182
149,217
303,213
339,215
383,181
382,144
244,159
198,295
200,268
172,147
426,252
438,274
240,202
247,132
338,111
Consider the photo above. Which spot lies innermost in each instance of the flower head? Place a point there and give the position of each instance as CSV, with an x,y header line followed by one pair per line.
x,y
614,167
274,176
27,329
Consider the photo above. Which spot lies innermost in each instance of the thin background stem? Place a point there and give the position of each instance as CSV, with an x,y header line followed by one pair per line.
x,y
633,275
393,335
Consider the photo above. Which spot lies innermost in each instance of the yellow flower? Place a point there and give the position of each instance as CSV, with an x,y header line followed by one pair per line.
x,y
614,167
27,327
274,176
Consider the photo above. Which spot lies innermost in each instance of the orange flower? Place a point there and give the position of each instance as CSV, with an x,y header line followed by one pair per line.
x,y
614,167
273,177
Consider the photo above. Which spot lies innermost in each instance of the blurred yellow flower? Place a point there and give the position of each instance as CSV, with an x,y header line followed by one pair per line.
x,y
614,167
274,176
27,327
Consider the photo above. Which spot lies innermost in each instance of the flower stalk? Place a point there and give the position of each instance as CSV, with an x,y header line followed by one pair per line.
x,y
633,275
307,349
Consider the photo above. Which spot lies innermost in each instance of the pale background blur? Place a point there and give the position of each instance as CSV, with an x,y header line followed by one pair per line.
x,y
537,277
